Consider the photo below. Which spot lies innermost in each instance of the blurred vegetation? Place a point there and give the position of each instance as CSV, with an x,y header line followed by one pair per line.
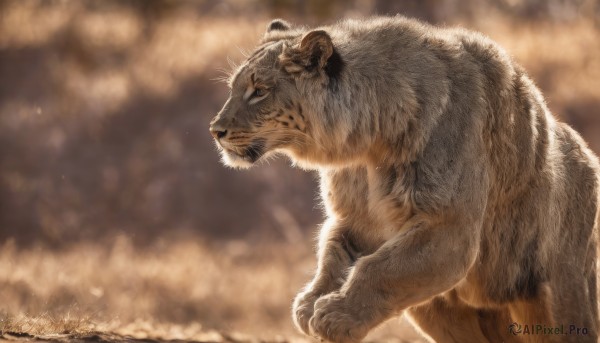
x,y
104,111
104,108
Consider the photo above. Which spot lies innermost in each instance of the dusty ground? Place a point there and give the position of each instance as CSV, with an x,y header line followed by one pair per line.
x,y
207,337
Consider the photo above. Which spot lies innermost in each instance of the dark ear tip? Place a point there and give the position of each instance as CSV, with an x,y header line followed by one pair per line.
x,y
278,25
316,35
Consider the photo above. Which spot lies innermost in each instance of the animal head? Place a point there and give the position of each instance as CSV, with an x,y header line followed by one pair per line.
x,y
267,109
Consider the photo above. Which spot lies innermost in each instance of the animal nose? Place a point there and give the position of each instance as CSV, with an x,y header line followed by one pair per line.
x,y
218,132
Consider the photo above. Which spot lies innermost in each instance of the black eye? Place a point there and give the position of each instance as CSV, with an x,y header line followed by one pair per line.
x,y
258,92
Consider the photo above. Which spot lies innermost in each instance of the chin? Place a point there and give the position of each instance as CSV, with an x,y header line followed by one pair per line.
x,y
234,161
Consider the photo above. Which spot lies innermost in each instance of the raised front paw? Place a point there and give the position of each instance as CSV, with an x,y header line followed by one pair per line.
x,y
335,319
302,310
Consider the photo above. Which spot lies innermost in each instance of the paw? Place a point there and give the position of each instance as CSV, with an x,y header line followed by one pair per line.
x,y
336,320
303,309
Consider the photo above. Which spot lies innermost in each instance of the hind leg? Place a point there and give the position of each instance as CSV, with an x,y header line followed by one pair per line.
x,y
534,314
445,319
567,301
561,313
574,305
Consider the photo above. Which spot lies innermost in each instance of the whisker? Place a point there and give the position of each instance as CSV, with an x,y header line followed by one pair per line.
x,y
221,79
225,77
233,65
244,52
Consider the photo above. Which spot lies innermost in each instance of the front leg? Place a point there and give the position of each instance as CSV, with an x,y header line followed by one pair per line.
x,y
335,256
412,267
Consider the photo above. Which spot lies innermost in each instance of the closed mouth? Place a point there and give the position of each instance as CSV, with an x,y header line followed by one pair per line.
x,y
252,153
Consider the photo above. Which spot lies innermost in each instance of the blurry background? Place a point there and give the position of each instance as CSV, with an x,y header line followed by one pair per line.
x,y
115,213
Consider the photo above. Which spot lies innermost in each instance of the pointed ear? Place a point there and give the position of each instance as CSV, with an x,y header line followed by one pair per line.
x,y
278,25
310,55
318,45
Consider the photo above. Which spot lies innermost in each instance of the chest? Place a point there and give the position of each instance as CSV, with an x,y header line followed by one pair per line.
x,y
372,200
389,198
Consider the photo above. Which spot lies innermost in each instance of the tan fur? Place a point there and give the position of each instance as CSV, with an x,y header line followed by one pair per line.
x,y
451,191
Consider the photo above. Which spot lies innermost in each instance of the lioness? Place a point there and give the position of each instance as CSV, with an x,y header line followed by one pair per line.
x,y
451,191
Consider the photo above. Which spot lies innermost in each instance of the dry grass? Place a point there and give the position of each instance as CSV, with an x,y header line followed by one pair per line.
x,y
172,290
45,324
